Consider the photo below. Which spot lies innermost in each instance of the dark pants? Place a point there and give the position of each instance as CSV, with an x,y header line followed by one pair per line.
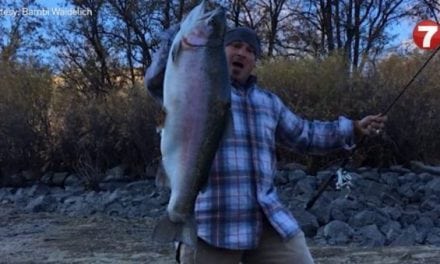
x,y
271,250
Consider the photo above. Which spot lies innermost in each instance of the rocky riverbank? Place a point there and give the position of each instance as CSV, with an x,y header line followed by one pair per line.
x,y
60,239
395,207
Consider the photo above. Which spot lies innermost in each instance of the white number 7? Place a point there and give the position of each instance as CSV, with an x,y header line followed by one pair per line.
x,y
430,32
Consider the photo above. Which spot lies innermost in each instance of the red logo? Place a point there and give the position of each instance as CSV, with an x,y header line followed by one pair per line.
x,y
426,34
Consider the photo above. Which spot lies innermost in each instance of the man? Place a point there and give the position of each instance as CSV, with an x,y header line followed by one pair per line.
x,y
239,215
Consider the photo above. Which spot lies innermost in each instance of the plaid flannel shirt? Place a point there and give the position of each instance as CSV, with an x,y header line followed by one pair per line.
x,y
240,189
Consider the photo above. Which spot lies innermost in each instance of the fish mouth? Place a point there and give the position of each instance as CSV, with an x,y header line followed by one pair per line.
x,y
187,43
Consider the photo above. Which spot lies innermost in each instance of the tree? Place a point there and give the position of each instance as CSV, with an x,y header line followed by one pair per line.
x,y
25,87
427,9
19,34
356,27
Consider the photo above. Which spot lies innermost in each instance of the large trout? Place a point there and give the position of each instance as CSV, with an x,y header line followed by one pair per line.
x,y
196,100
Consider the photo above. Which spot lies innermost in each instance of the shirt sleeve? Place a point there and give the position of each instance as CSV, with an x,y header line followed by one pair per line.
x,y
155,73
313,137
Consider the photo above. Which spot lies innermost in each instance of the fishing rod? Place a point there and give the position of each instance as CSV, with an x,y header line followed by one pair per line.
x,y
341,172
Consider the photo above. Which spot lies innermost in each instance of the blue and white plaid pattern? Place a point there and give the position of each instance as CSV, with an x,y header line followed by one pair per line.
x,y
240,189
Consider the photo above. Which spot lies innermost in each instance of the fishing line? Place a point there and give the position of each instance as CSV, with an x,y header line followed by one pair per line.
x,y
325,184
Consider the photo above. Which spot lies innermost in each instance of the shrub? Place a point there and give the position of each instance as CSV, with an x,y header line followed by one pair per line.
x,y
24,107
322,89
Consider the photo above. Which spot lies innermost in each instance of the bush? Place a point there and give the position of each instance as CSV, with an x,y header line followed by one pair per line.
x,y
322,89
101,132
24,110
54,126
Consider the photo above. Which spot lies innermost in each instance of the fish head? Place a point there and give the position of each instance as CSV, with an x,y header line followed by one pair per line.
x,y
203,27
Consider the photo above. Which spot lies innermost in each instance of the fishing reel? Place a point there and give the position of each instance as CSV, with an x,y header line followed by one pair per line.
x,y
343,181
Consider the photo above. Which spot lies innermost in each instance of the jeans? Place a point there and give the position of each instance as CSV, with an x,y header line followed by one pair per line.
x,y
271,250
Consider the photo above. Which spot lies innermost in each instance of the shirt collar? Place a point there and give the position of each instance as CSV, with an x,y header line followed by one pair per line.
x,y
251,81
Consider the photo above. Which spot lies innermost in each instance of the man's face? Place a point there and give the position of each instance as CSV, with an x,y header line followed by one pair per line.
x,y
241,60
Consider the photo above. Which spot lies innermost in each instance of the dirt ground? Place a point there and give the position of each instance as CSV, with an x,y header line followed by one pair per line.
x,y
55,238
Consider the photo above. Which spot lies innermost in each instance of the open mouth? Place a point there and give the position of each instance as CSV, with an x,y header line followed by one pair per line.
x,y
238,64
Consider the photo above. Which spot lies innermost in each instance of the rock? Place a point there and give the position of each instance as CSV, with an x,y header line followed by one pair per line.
x,y
72,180
368,217
425,177
321,208
363,169
391,230
43,203
409,217
4,194
394,212
281,178
370,188
434,215
307,221
58,178
47,178
75,206
342,209
39,189
399,169
406,238
371,175
397,208
338,214
423,226
306,186
390,198
115,174
419,192
409,177
370,236
143,186
296,175
75,190
405,190
160,197
324,175
111,185
433,187
61,196
94,201
390,179
433,237
29,176
115,209
337,232
292,166
111,197
420,167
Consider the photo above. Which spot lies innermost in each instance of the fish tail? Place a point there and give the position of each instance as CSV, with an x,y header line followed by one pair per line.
x,y
168,231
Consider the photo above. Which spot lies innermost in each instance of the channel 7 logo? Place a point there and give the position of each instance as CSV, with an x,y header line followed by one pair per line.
x,y
426,35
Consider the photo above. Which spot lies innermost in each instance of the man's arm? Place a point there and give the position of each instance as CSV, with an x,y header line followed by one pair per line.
x,y
319,137
155,73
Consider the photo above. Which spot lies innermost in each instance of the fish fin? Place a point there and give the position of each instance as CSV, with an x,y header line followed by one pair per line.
x,y
161,177
229,122
159,118
176,50
168,231
153,81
